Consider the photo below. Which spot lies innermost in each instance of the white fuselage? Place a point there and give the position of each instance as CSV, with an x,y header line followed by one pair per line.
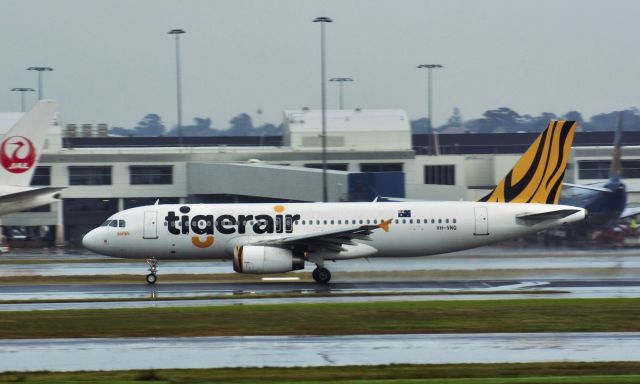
x,y
212,231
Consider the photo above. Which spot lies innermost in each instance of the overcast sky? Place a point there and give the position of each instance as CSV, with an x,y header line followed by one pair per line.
x,y
114,61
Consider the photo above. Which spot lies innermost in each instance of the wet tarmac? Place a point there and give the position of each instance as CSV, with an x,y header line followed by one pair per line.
x,y
174,294
294,351
620,261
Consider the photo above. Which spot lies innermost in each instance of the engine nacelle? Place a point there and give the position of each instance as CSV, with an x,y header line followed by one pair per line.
x,y
261,260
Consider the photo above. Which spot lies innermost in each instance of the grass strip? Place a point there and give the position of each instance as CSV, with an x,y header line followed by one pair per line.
x,y
561,372
477,316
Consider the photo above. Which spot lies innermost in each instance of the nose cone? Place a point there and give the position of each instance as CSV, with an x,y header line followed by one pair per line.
x,y
91,241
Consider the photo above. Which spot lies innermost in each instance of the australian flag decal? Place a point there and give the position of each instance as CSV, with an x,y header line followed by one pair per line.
x,y
404,213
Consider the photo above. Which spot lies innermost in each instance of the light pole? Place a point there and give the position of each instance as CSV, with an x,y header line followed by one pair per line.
x,y
322,20
341,81
22,91
177,33
40,70
429,67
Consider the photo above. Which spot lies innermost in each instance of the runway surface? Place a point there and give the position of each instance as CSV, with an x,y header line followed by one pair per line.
x,y
478,273
289,351
618,261
228,293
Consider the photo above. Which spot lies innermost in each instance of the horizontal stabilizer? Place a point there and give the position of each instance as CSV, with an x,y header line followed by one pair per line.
x,y
29,194
552,215
630,211
589,187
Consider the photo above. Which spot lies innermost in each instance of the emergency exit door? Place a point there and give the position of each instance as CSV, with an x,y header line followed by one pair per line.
x,y
150,230
482,221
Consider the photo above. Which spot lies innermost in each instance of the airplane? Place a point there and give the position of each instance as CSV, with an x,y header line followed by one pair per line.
x,y
605,201
277,238
19,153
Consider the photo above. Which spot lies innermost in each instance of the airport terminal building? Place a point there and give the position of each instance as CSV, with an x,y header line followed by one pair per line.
x,y
370,153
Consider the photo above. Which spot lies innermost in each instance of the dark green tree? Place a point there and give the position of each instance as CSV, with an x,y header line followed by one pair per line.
x,y
150,125
241,125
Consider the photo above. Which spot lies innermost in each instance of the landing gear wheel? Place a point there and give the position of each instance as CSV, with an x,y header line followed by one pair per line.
x,y
153,269
151,278
321,275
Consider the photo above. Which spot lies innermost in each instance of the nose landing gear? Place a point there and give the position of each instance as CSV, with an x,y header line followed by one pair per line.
x,y
153,269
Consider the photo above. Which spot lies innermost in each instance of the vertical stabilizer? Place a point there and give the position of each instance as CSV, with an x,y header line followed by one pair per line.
x,y
538,174
21,146
616,163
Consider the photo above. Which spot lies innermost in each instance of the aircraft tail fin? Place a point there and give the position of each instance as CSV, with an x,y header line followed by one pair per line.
x,y
538,174
616,163
21,146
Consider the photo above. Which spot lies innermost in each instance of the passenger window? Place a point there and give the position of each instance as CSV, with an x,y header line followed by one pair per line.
x,y
454,221
410,221
361,222
339,221
404,221
418,221
439,221
121,223
433,221
447,221
331,222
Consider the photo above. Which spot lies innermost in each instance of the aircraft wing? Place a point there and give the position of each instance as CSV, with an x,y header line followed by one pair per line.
x,y
331,240
28,193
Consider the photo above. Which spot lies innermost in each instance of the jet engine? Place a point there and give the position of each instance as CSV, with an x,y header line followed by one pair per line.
x,y
261,260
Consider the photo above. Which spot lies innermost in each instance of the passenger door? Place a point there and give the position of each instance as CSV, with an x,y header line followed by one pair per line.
x,y
150,230
481,221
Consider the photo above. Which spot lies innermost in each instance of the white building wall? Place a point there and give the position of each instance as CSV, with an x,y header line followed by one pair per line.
x,y
348,129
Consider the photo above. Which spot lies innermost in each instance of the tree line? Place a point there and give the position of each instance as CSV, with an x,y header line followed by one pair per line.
x,y
500,120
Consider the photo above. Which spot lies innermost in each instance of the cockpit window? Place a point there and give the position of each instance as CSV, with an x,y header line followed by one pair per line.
x,y
105,224
113,223
121,223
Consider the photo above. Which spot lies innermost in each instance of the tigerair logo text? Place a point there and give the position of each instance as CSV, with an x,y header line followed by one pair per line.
x,y
208,225
17,154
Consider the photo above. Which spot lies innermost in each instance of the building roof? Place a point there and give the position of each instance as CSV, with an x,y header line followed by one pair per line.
x,y
348,120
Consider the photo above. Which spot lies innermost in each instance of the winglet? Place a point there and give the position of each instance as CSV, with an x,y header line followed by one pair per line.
x,y
157,202
385,225
537,176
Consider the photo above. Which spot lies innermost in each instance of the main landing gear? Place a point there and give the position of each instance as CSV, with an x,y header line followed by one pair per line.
x,y
153,269
321,275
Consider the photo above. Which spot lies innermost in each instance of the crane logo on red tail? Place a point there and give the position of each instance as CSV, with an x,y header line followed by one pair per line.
x,y
17,154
